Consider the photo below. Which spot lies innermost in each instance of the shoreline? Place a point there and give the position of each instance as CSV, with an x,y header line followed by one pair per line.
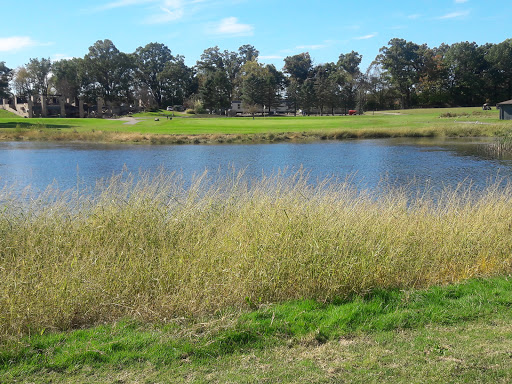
x,y
65,135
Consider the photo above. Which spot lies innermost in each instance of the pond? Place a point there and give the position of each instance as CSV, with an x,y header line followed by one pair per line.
x,y
440,162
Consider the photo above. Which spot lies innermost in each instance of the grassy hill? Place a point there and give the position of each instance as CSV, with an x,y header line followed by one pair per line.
x,y
7,114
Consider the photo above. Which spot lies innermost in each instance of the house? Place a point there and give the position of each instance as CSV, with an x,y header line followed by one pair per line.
x,y
505,110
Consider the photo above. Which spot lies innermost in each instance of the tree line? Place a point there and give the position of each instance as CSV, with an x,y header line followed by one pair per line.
x,y
403,75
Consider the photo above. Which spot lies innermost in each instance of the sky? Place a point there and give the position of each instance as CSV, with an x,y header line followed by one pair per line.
x,y
59,29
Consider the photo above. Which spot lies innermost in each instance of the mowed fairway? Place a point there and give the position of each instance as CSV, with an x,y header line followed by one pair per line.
x,y
419,122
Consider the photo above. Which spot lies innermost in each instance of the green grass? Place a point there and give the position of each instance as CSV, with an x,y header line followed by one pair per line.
x,y
457,333
7,114
424,122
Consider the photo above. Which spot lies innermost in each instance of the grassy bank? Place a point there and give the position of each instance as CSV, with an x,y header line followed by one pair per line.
x,y
7,114
155,250
459,333
144,129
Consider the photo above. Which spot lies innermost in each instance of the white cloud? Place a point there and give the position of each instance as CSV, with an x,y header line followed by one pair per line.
x,y
461,1
231,27
161,11
314,46
454,15
366,37
166,15
414,16
122,3
16,43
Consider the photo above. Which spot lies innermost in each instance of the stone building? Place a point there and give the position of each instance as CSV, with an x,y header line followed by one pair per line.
x,y
58,106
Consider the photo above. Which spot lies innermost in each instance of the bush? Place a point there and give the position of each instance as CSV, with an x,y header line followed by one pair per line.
x,y
198,107
190,112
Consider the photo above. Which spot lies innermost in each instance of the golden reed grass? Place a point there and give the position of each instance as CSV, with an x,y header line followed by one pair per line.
x,y
41,133
155,247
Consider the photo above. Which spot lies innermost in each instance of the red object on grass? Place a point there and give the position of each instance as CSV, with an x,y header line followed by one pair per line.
x,y
352,111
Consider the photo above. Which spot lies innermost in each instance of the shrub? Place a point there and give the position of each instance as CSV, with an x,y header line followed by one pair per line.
x,y
198,107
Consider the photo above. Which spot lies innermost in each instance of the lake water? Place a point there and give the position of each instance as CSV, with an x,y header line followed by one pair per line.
x,y
437,161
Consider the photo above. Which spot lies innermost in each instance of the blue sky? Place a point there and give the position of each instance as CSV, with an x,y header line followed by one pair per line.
x,y
277,28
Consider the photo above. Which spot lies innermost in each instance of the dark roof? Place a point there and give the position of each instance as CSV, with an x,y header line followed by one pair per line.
x,y
508,102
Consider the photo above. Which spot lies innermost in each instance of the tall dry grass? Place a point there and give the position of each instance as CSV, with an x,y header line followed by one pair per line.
x,y
154,248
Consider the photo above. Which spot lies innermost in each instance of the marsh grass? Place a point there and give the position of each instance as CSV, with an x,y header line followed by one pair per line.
x,y
155,248
502,145
43,133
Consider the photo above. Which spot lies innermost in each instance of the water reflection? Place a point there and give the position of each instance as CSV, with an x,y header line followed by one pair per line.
x,y
367,162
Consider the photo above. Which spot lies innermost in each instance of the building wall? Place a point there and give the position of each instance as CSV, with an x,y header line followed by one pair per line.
x,y
506,112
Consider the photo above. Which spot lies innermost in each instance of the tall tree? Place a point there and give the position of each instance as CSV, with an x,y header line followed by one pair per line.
x,y
298,67
253,85
22,83
348,64
466,65
215,81
247,53
177,81
39,75
325,86
110,72
432,88
150,62
308,95
5,74
274,86
381,93
403,61
69,77
499,57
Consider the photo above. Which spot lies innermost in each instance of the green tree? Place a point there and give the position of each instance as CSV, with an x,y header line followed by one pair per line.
x,y
308,97
466,65
247,53
499,57
298,67
177,80
432,88
403,61
253,76
325,86
150,62
33,78
293,96
68,77
110,72
348,64
22,83
380,92
274,86
215,79
5,74
41,73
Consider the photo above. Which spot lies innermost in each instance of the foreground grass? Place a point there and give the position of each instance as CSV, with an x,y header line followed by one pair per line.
x,y
155,249
425,122
458,333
